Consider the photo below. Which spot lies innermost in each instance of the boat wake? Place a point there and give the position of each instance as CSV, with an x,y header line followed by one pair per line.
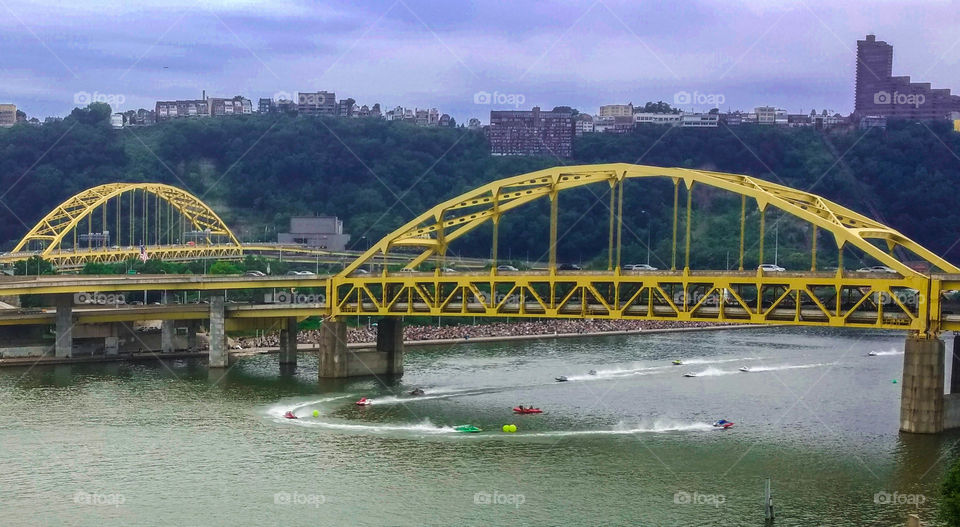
x,y
789,367
658,426
425,427
885,353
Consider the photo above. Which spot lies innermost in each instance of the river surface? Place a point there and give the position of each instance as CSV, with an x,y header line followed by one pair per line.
x,y
169,443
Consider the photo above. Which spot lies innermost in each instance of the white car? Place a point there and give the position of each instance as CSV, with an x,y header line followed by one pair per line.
x,y
876,269
770,268
639,267
506,268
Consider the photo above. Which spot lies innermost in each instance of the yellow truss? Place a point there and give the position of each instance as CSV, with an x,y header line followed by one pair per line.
x,y
432,232
67,216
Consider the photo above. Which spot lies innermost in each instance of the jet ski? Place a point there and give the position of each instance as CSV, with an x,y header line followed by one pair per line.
x,y
678,362
417,391
561,379
722,424
364,402
289,415
745,369
467,429
522,410
690,374
592,372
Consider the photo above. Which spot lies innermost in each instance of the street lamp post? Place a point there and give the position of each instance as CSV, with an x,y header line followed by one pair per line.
x,y
648,234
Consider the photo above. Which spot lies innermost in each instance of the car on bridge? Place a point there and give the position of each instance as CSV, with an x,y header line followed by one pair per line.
x,y
569,267
639,267
506,268
254,273
771,268
876,269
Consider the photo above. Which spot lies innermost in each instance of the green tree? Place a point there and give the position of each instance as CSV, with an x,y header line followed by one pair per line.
x,y
950,496
34,265
220,267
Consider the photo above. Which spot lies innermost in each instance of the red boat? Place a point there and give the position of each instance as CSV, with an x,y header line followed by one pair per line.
x,y
364,402
289,415
723,424
520,410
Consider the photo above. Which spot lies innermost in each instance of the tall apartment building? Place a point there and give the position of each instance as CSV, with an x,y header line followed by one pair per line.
x,y
317,103
8,115
533,132
616,110
878,93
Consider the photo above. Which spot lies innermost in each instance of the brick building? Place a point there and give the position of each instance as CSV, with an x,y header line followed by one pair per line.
x,y
533,132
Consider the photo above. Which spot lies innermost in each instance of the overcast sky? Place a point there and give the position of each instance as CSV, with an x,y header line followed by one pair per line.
x,y
798,55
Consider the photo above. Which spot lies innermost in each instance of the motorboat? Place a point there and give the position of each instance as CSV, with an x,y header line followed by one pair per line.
x,y
745,369
722,424
561,379
364,402
290,415
690,374
678,362
467,429
592,372
522,410
417,391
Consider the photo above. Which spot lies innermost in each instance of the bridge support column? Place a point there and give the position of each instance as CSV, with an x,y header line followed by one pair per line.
x,y
192,335
288,341
955,363
166,329
921,399
64,343
390,341
333,350
219,354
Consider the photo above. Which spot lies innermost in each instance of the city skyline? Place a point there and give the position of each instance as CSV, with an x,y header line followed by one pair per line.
x,y
798,56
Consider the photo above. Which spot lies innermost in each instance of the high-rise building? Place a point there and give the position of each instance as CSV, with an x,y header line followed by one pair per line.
x,y
317,103
521,132
8,115
878,93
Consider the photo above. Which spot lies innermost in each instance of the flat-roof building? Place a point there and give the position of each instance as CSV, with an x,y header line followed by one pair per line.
x,y
531,132
8,115
321,232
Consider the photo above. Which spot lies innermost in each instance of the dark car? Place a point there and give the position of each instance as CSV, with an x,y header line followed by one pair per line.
x,y
569,267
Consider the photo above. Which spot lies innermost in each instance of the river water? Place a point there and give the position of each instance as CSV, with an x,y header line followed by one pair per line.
x,y
173,444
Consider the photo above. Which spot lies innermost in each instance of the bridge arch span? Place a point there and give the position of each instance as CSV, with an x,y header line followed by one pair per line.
x,y
431,232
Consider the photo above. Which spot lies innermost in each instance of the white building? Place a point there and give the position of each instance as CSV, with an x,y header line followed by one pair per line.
x,y
116,120
616,110
583,124
699,120
672,119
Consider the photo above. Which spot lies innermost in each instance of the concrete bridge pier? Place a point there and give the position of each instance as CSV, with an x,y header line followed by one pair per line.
x,y
288,342
219,356
390,342
166,329
922,399
332,358
64,326
192,335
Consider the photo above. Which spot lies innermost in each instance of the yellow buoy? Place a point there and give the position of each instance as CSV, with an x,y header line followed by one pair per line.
x,y
513,428
316,413
506,428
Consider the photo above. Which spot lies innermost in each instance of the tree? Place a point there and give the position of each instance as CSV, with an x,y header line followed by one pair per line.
x,y
950,496
220,267
34,265
659,107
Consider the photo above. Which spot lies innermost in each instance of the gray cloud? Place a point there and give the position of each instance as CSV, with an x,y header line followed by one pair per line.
x,y
793,54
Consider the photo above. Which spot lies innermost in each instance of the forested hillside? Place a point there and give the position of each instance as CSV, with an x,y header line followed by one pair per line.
x,y
256,171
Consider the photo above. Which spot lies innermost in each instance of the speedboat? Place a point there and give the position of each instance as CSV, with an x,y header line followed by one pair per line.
x,y
289,415
678,362
592,372
872,354
521,410
417,391
364,402
467,429
561,379
745,369
690,374
722,424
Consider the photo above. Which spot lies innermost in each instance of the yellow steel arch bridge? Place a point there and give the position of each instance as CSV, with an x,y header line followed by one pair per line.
x,y
909,297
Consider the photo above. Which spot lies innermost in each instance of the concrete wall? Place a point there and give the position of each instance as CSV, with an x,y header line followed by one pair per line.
x,y
951,411
360,363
